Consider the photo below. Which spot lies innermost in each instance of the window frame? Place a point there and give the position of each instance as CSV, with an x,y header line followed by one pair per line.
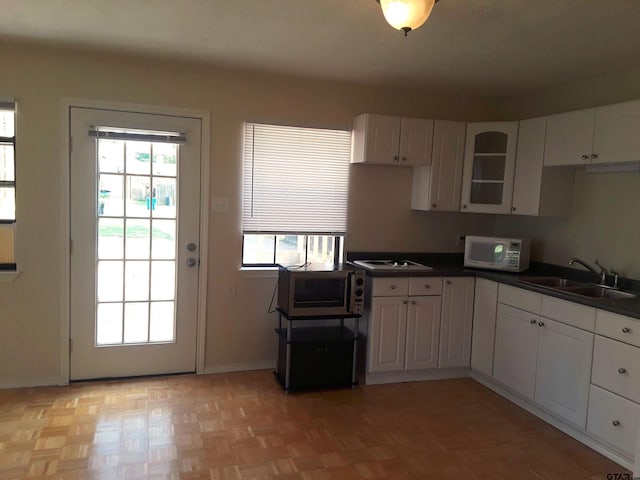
x,y
8,105
10,141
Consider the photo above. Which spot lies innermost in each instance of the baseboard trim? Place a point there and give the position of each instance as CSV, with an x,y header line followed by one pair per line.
x,y
238,367
417,376
580,435
33,382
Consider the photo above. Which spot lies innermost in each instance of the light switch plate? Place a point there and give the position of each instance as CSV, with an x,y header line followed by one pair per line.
x,y
220,204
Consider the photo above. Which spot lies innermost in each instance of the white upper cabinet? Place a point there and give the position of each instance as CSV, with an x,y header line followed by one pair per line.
x,y
617,133
539,190
437,186
489,161
569,139
390,140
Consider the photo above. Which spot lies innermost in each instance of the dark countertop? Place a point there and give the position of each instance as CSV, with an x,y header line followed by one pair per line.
x,y
451,266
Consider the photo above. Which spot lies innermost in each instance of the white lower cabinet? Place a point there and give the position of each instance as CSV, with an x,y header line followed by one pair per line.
x,y
419,323
514,363
547,361
563,370
613,419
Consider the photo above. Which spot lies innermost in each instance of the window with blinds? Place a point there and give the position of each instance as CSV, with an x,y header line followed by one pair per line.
x,y
295,187
7,184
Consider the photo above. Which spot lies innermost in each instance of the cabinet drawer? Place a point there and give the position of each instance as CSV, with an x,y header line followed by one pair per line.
x,y
425,286
519,298
616,367
625,329
613,419
569,312
391,287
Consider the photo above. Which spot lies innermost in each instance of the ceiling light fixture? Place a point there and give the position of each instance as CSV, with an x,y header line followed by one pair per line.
x,y
406,15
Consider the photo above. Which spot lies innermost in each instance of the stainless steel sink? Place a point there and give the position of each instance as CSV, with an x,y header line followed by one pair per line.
x,y
553,282
574,287
598,292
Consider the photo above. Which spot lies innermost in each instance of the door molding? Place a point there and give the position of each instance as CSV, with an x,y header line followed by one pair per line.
x,y
65,217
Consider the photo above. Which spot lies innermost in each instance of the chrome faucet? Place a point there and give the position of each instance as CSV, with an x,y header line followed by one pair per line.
x,y
602,274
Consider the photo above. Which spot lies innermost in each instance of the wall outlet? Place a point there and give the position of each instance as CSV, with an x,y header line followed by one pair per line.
x,y
220,204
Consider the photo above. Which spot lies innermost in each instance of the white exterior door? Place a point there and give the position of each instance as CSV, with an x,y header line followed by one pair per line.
x,y
135,227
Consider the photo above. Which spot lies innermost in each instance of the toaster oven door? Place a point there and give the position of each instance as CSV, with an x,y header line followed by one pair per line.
x,y
319,294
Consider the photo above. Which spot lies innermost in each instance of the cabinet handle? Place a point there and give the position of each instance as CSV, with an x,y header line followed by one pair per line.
x,y
626,330
616,423
392,287
585,157
533,321
541,324
594,155
622,370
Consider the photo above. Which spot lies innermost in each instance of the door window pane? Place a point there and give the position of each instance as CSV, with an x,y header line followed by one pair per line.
x,y
7,203
138,157
110,280
161,322
109,323
164,197
136,281
111,156
138,241
165,159
7,163
163,279
110,238
163,239
139,202
110,196
136,321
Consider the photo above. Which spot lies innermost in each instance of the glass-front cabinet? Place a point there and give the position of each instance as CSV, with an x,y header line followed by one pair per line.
x,y
489,164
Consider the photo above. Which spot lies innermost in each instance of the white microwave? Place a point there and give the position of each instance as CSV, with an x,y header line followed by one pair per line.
x,y
497,253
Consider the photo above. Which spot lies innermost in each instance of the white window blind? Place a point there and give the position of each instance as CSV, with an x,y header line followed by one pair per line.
x,y
295,180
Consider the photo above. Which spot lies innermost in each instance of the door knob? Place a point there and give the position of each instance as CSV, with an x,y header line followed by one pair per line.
x,y
191,247
191,262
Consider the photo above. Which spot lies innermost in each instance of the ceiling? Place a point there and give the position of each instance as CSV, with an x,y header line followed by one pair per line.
x,y
488,47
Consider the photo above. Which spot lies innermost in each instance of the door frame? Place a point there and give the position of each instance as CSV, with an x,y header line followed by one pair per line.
x,y
65,217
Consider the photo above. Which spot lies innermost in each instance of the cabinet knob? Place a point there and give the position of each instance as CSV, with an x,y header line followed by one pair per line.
x,y
533,321
464,206
413,302
434,205
626,329
392,287
427,286
622,370
616,423
395,157
541,324
585,157
404,159
448,282
404,302
594,155
513,209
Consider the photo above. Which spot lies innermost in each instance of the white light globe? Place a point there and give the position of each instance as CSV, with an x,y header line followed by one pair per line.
x,y
406,14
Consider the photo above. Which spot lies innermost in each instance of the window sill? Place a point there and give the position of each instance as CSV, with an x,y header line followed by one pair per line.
x,y
259,272
8,276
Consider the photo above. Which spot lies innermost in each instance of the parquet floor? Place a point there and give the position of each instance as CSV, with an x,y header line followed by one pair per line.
x,y
242,425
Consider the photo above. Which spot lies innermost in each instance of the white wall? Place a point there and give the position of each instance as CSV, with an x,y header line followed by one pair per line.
x,y
239,331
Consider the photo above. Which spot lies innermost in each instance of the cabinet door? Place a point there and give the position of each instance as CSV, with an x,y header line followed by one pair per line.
x,y
527,182
446,167
388,329
484,326
376,139
616,138
423,332
514,362
569,139
563,370
489,162
416,141
456,322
